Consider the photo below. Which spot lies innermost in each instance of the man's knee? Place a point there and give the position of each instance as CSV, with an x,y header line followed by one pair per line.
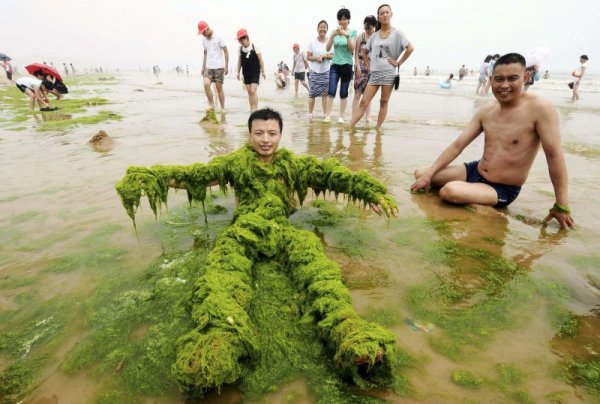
x,y
383,103
451,192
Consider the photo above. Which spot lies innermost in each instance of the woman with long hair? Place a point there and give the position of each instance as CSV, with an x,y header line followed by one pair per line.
x,y
361,71
387,50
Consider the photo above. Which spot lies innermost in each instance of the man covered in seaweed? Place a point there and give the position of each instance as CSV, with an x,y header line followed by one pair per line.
x,y
224,342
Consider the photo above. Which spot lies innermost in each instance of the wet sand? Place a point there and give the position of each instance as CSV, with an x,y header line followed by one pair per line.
x,y
58,202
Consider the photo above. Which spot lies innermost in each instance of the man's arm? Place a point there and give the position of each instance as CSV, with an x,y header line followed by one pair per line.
x,y
262,65
473,129
330,174
547,127
37,92
155,182
203,63
226,53
239,65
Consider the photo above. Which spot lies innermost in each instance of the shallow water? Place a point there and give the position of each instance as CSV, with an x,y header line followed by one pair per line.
x,y
64,233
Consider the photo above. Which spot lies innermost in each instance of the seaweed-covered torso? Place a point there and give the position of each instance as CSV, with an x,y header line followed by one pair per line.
x,y
266,189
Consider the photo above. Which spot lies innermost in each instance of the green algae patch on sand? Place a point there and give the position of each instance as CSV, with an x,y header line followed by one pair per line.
x,y
469,317
587,373
466,379
101,116
28,339
384,316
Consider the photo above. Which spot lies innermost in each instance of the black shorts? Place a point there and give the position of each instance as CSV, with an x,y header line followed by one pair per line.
x,y
506,193
300,76
251,80
21,87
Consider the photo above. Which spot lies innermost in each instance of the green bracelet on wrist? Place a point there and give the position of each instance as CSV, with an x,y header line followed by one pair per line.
x,y
561,208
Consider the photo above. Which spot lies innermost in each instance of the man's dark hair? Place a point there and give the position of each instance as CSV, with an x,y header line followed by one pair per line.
x,y
48,85
265,114
488,58
584,57
343,12
510,58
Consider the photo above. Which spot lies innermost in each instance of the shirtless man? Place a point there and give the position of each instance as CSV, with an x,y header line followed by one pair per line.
x,y
514,127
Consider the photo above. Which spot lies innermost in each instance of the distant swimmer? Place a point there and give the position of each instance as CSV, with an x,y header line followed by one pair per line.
x,y
546,75
415,71
510,148
462,72
427,71
447,83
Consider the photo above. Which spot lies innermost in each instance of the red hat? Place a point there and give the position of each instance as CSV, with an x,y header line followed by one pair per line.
x,y
296,46
202,26
241,33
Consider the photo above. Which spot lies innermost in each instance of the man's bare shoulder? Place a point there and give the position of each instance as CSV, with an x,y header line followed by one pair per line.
x,y
539,106
487,108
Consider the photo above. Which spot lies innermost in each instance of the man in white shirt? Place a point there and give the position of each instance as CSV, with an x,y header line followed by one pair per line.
x,y
214,63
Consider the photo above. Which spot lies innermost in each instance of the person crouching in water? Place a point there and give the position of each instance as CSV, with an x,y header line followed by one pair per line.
x,y
36,89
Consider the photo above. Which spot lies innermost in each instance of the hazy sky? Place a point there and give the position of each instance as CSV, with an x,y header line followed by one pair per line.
x,y
140,33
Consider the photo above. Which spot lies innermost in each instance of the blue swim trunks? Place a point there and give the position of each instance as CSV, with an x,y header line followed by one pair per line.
x,y
506,193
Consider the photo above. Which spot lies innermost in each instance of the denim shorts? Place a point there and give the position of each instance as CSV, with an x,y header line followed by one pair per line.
x,y
506,193
341,73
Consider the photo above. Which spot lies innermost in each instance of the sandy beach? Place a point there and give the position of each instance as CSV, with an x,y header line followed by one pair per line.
x,y
506,310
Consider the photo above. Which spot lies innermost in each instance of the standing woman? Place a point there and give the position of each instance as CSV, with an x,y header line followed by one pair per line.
x,y
361,71
483,75
343,41
250,61
384,49
318,79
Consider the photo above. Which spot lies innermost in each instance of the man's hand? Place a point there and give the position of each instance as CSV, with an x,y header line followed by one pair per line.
x,y
564,219
226,70
238,76
423,182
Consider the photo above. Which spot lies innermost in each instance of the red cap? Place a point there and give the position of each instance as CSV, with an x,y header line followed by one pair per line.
x,y
202,26
296,46
241,33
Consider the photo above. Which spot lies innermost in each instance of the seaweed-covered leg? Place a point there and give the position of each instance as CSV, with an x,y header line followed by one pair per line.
x,y
216,352
362,350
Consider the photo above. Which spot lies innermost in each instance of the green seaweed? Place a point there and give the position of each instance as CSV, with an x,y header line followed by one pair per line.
x,y
466,379
587,374
225,343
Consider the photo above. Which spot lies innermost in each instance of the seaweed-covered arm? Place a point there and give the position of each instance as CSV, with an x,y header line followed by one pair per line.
x,y
155,182
331,175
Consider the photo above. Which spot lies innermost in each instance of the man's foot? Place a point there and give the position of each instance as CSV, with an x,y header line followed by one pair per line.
x,y
327,119
208,360
340,120
366,359
310,117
